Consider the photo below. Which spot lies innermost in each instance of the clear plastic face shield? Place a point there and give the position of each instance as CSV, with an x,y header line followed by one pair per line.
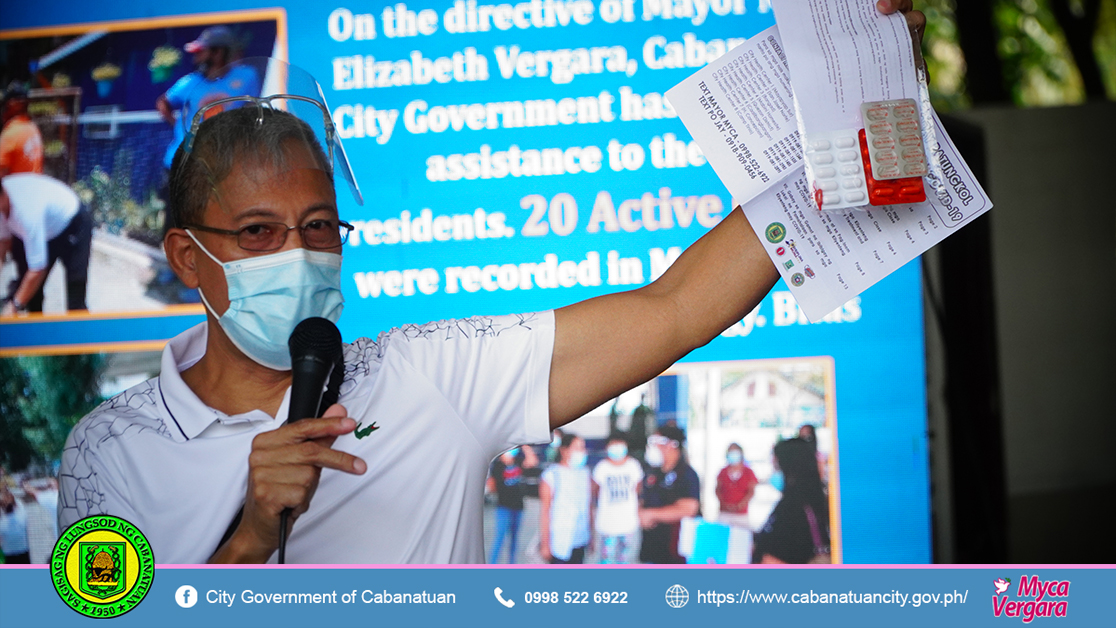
x,y
266,83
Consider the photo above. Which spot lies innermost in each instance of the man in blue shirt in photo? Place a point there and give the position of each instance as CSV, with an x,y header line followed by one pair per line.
x,y
212,80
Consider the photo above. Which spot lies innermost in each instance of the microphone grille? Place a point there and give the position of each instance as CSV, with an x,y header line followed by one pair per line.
x,y
317,336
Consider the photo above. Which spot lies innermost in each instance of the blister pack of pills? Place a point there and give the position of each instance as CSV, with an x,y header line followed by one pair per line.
x,y
865,126
834,164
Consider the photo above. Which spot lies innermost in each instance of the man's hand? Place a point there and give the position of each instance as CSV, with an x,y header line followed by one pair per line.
x,y
283,472
647,518
916,21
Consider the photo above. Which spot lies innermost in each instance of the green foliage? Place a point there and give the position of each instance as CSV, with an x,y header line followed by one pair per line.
x,y
109,197
1037,62
1105,45
1032,48
15,451
42,398
944,57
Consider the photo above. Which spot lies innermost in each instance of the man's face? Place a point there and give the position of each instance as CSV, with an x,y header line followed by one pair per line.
x,y
253,193
201,57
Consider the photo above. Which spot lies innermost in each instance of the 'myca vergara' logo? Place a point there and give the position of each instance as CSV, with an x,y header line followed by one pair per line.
x,y
1034,602
102,566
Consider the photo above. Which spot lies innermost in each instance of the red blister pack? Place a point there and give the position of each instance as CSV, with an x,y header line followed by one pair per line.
x,y
893,191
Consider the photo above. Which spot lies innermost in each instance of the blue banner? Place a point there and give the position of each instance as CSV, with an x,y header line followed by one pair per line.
x,y
588,597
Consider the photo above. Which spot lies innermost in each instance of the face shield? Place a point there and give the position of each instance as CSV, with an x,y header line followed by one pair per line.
x,y
266,83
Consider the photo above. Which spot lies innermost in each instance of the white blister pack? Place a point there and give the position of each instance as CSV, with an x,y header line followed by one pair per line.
x,y
856,80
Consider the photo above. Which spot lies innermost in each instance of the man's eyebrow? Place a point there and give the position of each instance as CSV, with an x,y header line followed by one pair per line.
x,y
257,212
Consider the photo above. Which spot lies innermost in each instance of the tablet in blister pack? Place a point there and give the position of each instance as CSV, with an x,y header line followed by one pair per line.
x,y
894,136
836,166
905,191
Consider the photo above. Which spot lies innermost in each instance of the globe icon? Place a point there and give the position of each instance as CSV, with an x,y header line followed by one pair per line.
x,y
677,596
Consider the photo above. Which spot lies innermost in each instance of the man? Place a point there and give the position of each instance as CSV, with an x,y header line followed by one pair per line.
x,y
21,143
212,80
257,232
671,492
42,221
616,481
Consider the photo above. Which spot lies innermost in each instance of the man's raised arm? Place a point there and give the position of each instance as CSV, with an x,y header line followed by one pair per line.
x,y
609,344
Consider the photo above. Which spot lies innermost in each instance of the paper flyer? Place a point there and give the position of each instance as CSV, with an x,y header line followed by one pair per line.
x,y
740,109
827,258
734,109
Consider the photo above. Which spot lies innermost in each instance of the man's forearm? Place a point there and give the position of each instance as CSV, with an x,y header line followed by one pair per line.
x,y
609,344
675,512
31,283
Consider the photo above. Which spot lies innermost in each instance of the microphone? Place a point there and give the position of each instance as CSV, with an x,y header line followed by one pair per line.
x,y
315,346
316,358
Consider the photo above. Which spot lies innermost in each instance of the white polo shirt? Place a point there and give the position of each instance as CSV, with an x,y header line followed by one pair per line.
x,y
445,397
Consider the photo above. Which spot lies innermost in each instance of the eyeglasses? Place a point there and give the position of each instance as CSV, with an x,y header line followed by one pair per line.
x,y
657,439
271,236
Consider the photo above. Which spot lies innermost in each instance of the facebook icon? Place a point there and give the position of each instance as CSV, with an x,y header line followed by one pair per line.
x,y
186,596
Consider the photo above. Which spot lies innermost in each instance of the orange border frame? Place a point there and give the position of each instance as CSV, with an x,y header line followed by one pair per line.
x,y
835,538
282,51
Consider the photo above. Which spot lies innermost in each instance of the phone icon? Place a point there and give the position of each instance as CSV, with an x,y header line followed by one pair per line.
x,y
500,598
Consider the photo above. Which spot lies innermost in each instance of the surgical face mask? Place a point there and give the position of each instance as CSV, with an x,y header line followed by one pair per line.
x,y
734,457
617,451
654,456
270,294
578,458
778,481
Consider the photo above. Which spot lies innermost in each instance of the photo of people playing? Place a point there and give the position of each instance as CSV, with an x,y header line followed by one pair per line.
x,y
91,118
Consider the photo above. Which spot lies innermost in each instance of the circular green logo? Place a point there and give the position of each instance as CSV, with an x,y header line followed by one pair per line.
x,y
102,566
776,232
797,280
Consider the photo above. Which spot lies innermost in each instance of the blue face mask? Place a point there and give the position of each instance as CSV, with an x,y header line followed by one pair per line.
x,y
578,458
618,452
778,481
270,294
734,457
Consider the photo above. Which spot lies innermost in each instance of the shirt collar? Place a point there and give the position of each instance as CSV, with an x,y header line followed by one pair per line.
x,y
186,410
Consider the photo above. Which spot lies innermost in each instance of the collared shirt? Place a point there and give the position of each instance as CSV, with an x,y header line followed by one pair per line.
x,y
435,403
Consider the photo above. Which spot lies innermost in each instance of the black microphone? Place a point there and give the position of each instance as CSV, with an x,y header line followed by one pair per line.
x,y
315,346
316,355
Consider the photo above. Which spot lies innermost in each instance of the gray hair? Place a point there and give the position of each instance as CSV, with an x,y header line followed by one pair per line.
x,y
260,134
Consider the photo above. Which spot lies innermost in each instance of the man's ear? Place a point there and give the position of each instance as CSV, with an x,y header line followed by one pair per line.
x,y
182,256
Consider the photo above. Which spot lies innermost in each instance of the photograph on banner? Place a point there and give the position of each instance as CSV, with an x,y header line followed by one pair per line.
x,y
41,398
760,440
92,116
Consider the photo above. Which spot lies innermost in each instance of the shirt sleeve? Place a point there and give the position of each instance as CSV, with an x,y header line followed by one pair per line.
x,y
178,92
88,484
493,370
34,239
